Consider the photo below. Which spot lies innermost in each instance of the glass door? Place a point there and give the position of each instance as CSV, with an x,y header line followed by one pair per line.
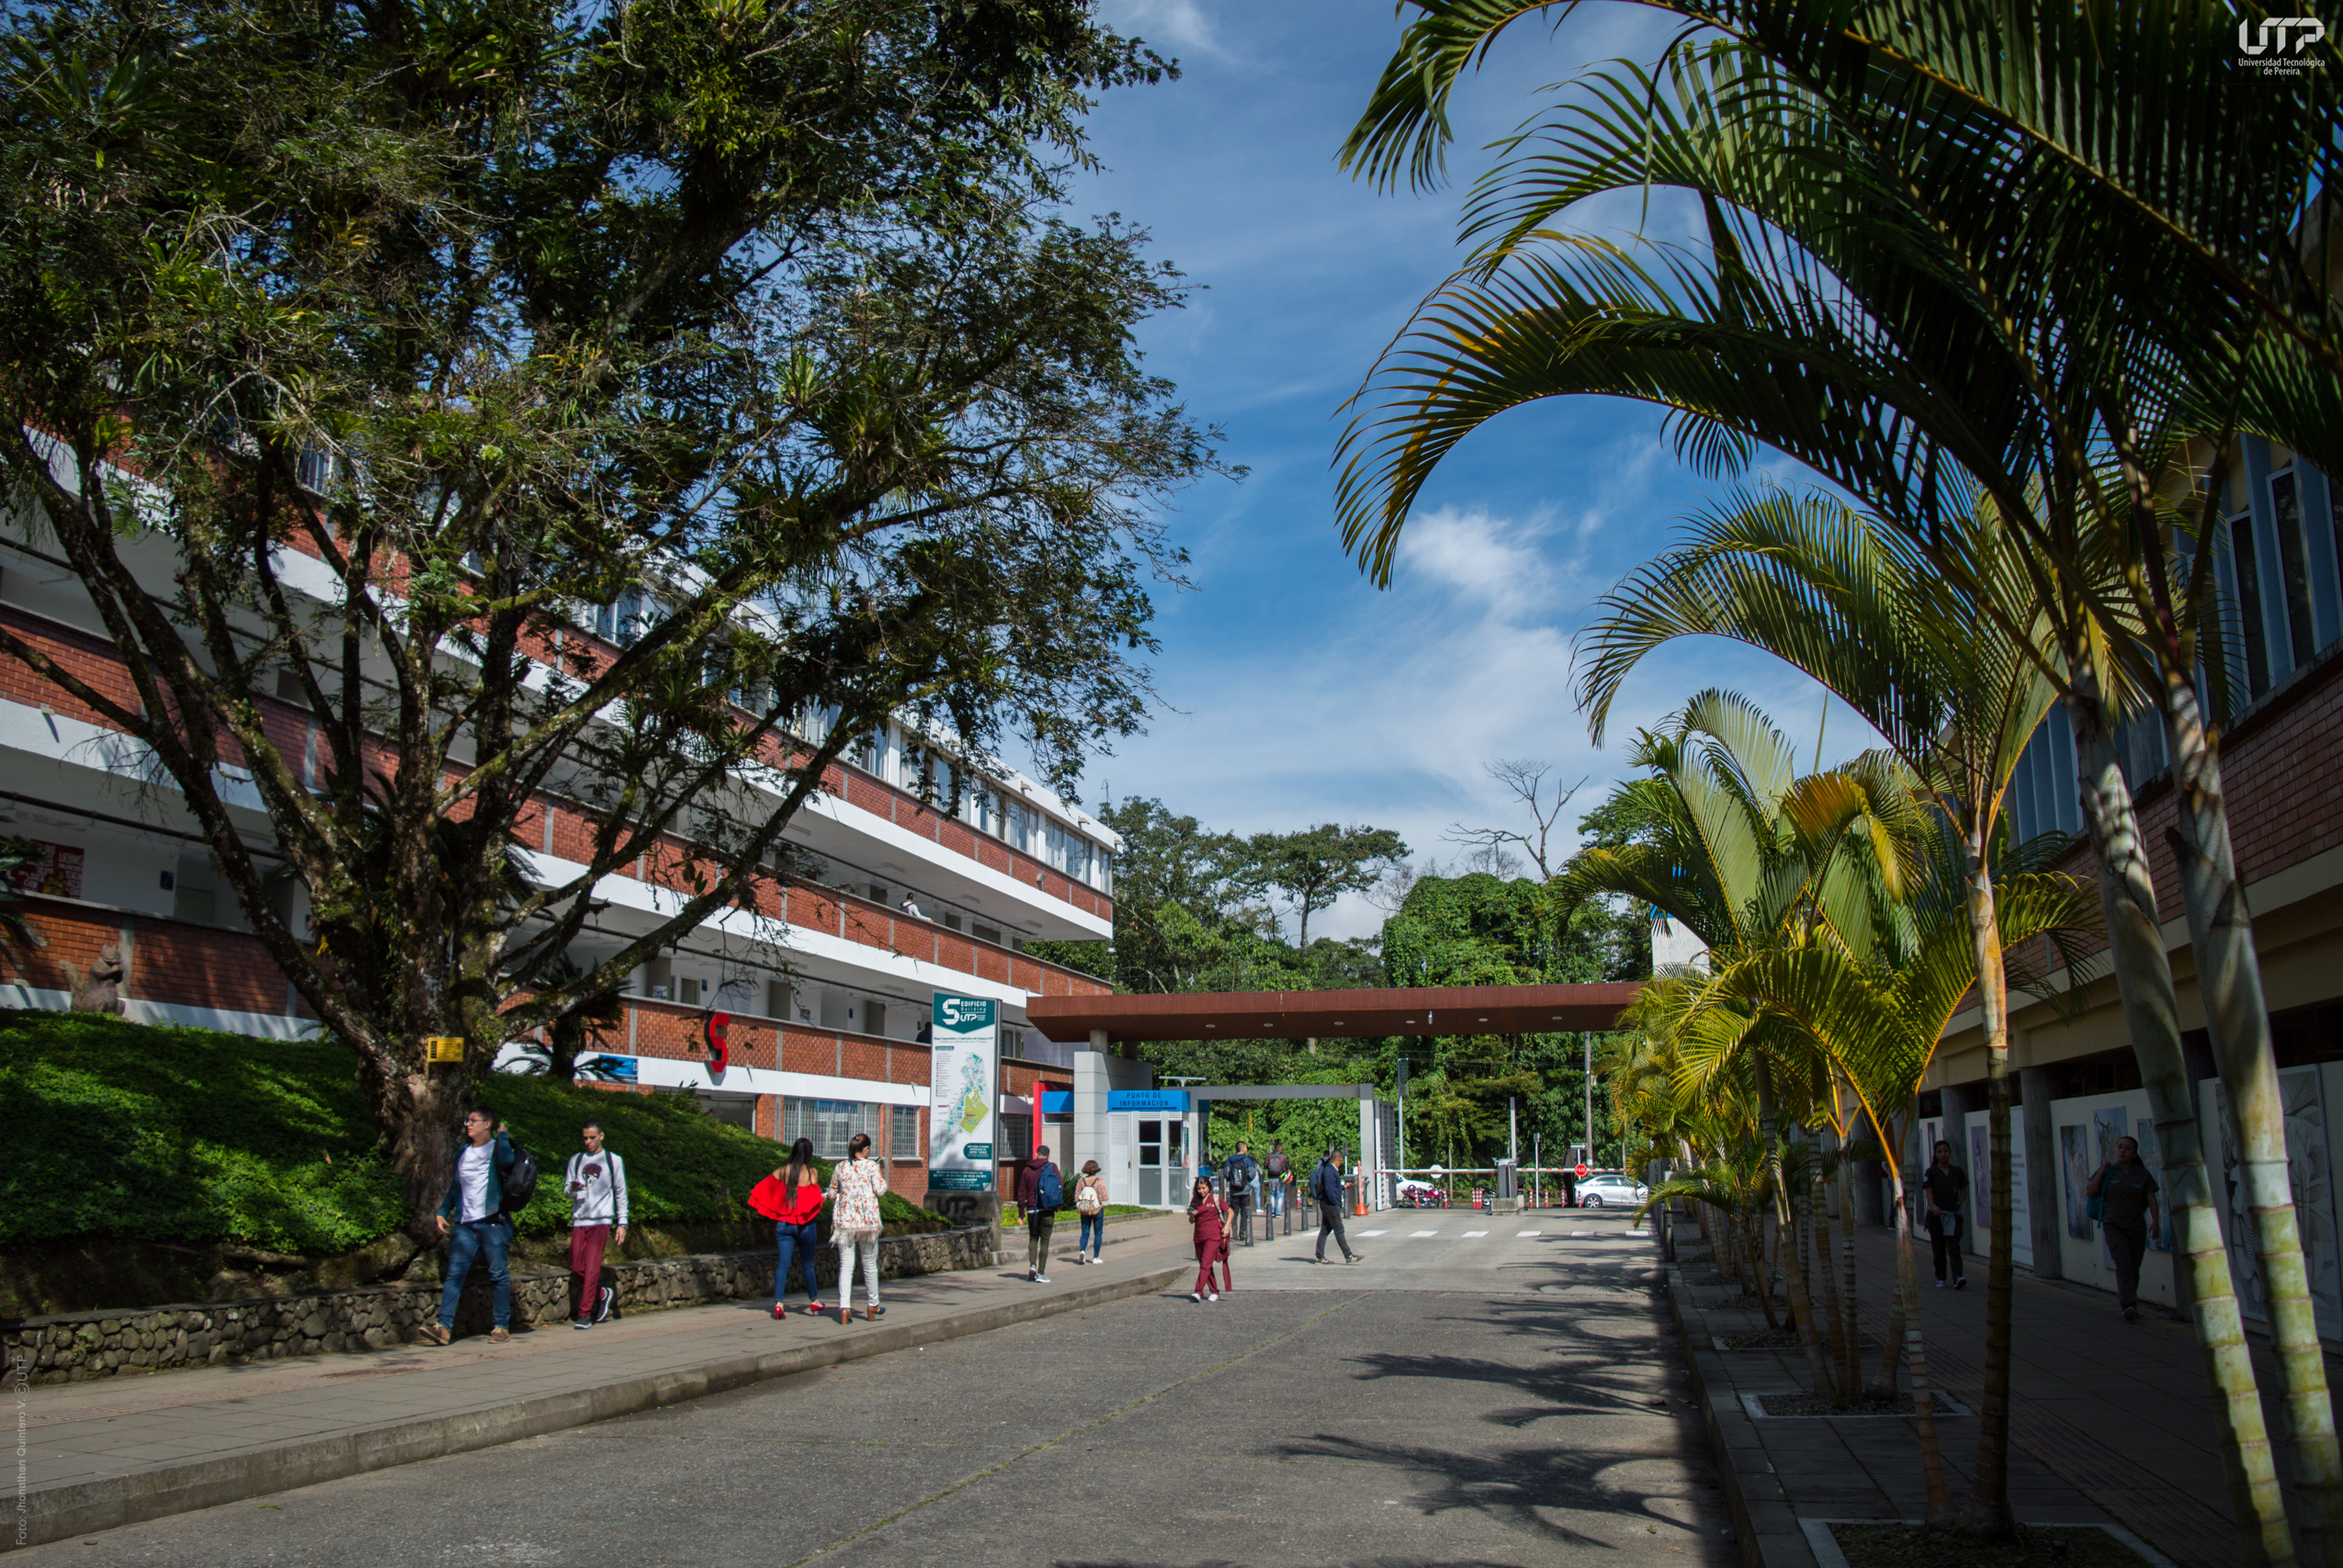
x,y
1151,1162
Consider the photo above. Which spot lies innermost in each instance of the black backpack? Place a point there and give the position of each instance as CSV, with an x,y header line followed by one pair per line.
x,y
520,1181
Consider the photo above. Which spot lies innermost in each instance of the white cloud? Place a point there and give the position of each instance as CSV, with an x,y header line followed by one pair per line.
x,y
1164,23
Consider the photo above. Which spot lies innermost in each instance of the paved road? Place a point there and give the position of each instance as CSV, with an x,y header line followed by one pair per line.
x,y
1453,1400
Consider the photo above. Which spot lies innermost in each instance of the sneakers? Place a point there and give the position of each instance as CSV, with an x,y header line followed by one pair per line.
x,y
1196,1296
1940,1284
498,1336
1962,1283
2131,1315
1214,1297
1356,1257
1041,1279
609,1300
437,1333
582,1323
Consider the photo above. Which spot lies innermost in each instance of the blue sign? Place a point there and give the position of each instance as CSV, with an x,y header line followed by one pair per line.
x,y
1176,1099
1057,1102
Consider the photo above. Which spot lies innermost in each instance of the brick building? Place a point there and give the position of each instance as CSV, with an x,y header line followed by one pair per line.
x,y
2280,562
828,982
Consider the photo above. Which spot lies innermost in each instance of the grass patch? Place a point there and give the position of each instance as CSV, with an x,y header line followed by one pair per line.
x,y
161,1134
2031,1546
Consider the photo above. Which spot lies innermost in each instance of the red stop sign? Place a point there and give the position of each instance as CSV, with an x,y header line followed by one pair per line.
x,y
1580,1173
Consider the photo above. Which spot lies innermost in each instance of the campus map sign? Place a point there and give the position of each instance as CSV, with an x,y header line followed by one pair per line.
x,y
962,1075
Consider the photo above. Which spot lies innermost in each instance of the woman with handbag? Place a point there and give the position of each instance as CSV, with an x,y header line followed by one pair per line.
x,y
1089,1202
1947,1186
795,1233
854,1186
1208,1214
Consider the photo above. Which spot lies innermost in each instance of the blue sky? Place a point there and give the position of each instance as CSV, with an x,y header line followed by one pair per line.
x,y
1295,692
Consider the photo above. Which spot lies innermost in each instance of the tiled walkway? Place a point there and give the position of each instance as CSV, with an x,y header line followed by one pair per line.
x,y
2107,1419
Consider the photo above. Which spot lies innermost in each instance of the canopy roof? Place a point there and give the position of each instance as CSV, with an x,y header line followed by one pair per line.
x,y
1335,1015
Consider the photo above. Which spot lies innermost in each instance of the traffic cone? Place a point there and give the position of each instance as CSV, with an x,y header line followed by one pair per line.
x,y
1360,1213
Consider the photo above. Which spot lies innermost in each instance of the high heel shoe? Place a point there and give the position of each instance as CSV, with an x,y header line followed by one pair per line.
x,y
779,1312
872,1314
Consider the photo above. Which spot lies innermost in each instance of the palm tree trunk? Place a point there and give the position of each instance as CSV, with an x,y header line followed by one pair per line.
x,y
1792,1275
1989,1481
1891,1353
1818,1223
1908,1288
2151,1015
1851,1356
2237,1018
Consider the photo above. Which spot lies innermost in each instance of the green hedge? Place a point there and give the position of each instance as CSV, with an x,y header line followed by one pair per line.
x,y
190,1135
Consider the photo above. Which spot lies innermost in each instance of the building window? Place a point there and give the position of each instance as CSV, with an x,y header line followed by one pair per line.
x,y
904,1132
2295,564
829,1123
2253,627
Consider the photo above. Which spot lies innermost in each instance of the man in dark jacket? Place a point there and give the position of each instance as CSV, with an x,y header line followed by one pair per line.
x,y
1039,1192
1242,1172
1326,1188
473,1219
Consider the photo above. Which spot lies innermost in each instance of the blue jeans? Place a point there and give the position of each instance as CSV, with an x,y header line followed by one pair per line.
x,y
1093,1234
798,1242
493,1236
1275,1193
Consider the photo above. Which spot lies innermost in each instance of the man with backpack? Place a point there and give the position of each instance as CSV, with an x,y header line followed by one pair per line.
x,y
1278,1171
597,1183
1241,1170
1040,1190
476,1217
1326,1188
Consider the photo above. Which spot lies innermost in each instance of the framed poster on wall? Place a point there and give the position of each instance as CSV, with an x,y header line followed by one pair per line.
x,y
2309,1173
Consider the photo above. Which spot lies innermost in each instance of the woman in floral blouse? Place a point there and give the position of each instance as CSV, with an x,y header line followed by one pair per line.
x,y
856,1183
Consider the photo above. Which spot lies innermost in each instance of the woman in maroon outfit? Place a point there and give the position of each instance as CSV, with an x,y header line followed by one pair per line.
x,y
1209,1215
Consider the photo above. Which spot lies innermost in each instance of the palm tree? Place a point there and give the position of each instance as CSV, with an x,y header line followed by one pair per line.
x,y
1750,856
1839,319
1853,605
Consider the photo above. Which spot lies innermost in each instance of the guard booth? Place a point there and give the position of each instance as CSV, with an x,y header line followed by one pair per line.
x,y
1152,1136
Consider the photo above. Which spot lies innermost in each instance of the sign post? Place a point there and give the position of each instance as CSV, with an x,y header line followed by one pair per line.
x,y
964,1099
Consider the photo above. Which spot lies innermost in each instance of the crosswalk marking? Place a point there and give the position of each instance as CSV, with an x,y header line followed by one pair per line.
x,y
1578,1234
1639,1232
1423,1232
1371,1233
1476,1232
1529,1233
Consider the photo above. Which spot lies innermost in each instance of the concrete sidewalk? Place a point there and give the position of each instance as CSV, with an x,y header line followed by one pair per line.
x,y
99,1454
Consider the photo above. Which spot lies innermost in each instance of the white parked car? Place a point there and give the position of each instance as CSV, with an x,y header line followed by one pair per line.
x,y
1605,1189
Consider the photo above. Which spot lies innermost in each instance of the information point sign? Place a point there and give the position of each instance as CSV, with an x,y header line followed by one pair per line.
x,y
963,1070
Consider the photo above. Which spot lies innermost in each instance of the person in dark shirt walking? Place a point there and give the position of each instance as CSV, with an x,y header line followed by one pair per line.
x,y
2128,1192
1241,1172
1326,1190
1947,1186
1039,1192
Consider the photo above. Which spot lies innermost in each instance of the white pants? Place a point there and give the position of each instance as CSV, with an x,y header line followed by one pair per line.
x,y
848,1246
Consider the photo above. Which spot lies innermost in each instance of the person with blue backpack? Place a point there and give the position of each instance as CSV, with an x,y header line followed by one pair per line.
x,y
1041,1191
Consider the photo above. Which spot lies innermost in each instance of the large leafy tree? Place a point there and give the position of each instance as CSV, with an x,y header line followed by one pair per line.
x,y
1312,867
446,409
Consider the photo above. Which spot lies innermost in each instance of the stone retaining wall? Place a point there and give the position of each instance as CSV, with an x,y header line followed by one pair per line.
x,y
73,1346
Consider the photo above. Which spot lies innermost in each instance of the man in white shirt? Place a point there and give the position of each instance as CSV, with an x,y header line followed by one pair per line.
x,y
597,1183
475,1205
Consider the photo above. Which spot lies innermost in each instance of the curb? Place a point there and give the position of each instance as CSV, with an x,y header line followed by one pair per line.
x,y
1765,1530
86,1507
